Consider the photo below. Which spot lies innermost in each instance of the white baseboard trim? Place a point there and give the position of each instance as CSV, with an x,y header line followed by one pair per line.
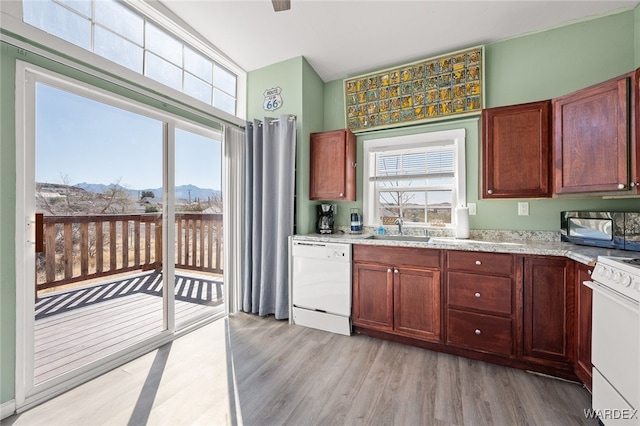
x,y
7,409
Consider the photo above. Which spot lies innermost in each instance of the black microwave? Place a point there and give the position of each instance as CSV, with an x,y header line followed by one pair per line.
x,y
616,230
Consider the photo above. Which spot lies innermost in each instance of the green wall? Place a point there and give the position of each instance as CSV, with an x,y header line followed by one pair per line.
x,y
537,66
9,54
302,95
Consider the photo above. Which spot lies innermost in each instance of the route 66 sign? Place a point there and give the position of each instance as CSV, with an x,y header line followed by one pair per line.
x,y
272,99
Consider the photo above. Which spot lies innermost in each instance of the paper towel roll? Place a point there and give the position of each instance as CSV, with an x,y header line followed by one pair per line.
x,y
462,222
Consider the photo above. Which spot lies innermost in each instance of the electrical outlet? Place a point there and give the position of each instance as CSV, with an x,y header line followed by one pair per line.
x,y
523,209
472,209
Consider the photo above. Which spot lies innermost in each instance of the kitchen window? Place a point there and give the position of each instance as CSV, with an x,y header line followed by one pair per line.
x,y
419,178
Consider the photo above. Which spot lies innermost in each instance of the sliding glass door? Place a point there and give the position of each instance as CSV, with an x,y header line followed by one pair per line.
x,y
98,177
198,225
122,232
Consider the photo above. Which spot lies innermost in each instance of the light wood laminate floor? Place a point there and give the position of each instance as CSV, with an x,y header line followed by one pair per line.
x,y
291,375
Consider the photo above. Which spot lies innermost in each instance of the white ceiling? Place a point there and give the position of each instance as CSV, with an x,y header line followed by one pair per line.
x,y
340,39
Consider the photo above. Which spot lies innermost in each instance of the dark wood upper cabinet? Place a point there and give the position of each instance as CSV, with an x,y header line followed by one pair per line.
x,y
516,150
333,166
591,138
635,133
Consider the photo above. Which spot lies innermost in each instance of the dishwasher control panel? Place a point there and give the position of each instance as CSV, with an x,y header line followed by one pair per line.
x,y
335,252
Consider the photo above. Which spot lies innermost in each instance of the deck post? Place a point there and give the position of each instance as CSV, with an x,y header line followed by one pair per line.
x,y
158,244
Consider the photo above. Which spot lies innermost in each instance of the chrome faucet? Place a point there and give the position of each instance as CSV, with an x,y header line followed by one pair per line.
x,y
399,223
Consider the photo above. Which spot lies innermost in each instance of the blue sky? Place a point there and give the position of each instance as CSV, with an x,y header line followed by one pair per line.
x,y
82,140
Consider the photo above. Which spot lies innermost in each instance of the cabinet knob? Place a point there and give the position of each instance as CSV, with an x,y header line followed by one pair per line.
x,y
342,194
477,295
478,332
490,191
621,186
395,271
478,262
389,271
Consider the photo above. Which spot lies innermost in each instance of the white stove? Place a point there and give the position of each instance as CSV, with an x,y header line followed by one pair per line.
x,y
615,352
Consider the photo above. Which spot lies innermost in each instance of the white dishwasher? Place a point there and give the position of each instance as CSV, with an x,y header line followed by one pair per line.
x,y
321,286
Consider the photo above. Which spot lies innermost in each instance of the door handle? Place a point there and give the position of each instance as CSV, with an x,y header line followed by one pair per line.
x,y
39,238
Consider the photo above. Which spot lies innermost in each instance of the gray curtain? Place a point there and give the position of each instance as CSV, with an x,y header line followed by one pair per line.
x,y
269,168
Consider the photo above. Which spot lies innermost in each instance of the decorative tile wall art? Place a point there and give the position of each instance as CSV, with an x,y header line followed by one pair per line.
x,y
430,89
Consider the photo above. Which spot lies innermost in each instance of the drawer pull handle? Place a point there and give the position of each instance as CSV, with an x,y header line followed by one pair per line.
x,y
477,295
478,262
478,332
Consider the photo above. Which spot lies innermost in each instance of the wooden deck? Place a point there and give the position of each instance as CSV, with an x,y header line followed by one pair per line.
x,y
75,327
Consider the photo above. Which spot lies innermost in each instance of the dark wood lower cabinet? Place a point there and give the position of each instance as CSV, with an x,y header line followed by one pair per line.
x,y
481,293
416,300
548,309
584,296
481,332
402,297
372,296
522,311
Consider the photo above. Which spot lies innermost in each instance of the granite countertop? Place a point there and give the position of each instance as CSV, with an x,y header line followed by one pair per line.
x,y
534,243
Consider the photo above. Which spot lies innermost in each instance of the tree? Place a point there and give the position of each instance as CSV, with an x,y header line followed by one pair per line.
x,y
394,200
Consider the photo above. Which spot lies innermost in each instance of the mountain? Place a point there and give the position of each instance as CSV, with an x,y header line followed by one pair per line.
x,y
184,192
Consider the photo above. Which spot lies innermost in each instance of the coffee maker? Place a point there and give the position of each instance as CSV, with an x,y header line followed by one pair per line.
x,y
325,218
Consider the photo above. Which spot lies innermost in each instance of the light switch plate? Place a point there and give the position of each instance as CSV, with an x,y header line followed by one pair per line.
x,y
523,209
472,209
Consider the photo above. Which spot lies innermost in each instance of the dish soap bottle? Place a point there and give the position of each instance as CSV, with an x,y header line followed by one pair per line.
x,y
380,229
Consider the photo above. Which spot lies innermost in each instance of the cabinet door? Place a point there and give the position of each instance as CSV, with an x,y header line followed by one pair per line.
x,y
373,296
516,151
417,303
548,308
332,166
583,366
590,139
635,130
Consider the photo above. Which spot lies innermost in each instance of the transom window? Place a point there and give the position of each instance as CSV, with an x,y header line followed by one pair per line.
x,y
121,35
419,178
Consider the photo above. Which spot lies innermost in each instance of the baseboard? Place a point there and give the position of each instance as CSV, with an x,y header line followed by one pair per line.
x,y
7,409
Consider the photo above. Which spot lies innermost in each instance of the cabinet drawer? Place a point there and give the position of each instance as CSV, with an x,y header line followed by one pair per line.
x,y
491,263
483,292
480,332
397,256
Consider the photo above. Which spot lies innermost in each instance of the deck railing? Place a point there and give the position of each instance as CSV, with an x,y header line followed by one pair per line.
x,y
78,248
